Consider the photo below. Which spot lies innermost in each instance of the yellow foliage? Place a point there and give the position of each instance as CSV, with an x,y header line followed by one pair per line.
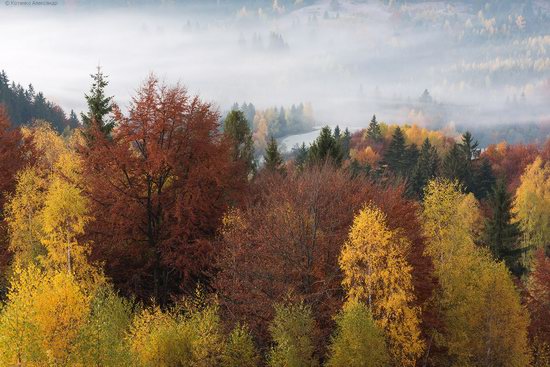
x,y
376,272
40,323
532,205
23,216
485,323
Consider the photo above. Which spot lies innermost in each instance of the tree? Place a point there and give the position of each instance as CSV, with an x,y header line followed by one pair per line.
x,y
14,150
286,240
376,272
158,190
240,350
177,337
292,331
42,318
325,148
236,127
99,107
538,304
64,217
426,168
501,234
357,342
485,323
454,166
483,180
373,131
300,155
395,155
345,142
532,206
273,161
101,339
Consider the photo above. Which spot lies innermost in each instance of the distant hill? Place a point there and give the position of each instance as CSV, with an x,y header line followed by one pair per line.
x,y
25,105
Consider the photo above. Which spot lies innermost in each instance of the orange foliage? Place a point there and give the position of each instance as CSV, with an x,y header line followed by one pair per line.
x,y
158,189
286,241
509,161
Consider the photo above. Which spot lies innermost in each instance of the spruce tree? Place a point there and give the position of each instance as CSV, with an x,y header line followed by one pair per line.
x,y
425,169
395,155
454,165
236,127
373,132
345,143
300,156
273,161
99,106
501,234
469,153
325,148
484,179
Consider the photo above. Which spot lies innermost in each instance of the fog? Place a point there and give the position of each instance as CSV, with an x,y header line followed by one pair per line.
x,y
482,64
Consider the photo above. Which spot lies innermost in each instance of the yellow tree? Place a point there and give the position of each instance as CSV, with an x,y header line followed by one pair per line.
x,y
64,217
40,323
485,324
23,215
532,205
376,272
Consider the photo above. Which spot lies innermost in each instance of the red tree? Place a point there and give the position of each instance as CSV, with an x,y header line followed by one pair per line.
x,y
509,161
158,188
13,153
286,240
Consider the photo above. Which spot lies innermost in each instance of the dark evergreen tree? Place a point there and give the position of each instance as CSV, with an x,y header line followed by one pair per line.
x,y
25,105
99,106
373,132
454,165
273,161
411,157
425,169
300,155
470,152
395,157
337,133
236,127
345,143
324,148
484,179
501,234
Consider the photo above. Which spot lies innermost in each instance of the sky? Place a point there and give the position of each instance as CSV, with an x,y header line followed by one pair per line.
x,y
482,62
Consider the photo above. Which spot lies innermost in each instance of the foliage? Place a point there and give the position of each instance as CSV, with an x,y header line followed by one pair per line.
x,y
485,323
176,337
357,342
237,129
101,339
273,161
376,272
501,234
42,318
532,205
157,191
292,331
240,350
99,107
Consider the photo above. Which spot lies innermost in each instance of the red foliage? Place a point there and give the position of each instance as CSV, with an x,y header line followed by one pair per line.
x,y
12,159
158,189
509,161
290,240
538,298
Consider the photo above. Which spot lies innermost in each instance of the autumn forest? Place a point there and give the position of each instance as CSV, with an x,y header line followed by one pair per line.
x,y
164,235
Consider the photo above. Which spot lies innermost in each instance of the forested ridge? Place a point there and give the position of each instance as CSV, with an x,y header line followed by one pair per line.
x,y
156,237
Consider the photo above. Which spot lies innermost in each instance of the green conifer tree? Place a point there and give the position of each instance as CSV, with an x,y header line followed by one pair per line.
x,y
99,106
273,161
